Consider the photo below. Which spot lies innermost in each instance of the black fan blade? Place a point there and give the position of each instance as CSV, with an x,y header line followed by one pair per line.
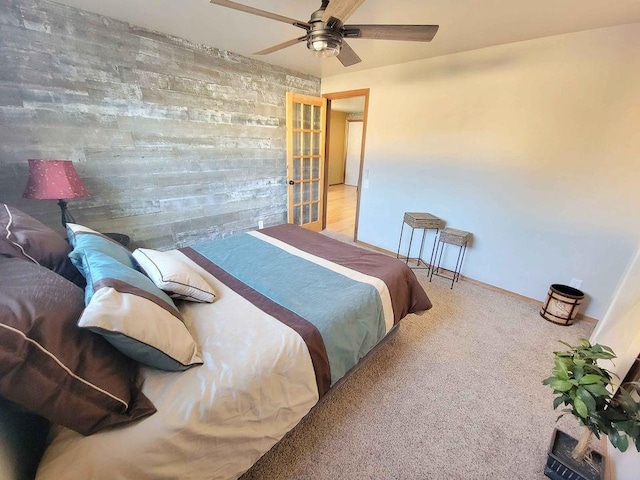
x,y
347,56
261,13
413,33
341,9
280,46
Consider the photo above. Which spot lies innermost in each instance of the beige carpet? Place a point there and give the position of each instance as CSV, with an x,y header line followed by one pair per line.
x,y
456,395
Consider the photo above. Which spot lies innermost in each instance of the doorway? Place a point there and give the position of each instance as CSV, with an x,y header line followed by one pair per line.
x,y
345,140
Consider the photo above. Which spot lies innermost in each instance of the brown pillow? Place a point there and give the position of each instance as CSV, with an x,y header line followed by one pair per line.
x,y
23,236
51,366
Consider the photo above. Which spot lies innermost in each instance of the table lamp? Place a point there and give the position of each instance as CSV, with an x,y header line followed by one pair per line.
x,y
54,179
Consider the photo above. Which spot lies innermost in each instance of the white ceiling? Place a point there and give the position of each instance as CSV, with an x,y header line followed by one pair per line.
x,y
464,25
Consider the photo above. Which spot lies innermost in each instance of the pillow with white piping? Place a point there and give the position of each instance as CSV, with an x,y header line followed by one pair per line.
x,y
23,236
171,273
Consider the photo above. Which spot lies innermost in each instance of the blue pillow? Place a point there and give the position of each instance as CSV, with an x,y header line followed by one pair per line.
x,y
135,316
102,270
82,238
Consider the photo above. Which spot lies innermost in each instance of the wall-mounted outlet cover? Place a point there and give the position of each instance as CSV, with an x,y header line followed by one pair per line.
x,y
260,224
575,283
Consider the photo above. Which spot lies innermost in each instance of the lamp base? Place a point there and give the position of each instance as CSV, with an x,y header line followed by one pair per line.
x,y
65,215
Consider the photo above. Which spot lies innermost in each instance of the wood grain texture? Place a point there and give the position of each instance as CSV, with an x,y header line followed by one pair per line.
x,y
175,141
341,209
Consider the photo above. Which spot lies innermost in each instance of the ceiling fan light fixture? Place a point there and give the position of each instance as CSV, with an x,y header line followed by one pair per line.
x,y
324,48
324,42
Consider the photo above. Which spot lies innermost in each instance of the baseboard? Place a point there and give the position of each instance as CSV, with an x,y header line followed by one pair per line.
x,y
530,300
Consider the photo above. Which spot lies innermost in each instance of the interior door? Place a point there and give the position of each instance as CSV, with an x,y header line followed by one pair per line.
x,y
306,124
354,149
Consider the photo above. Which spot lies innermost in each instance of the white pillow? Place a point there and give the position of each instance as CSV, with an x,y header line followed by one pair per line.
x,y
141,329
170,273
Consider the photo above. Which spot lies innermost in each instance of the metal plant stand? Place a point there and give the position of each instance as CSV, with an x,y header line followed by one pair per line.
x,y
451,236
423,221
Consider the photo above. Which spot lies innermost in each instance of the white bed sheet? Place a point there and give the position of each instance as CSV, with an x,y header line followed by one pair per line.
x,y
213,421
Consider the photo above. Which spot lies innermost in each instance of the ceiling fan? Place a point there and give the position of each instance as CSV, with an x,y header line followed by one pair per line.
x,y
326,31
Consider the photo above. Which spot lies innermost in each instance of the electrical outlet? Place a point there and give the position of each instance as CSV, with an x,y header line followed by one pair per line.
x,y
365,183
575,283
260,224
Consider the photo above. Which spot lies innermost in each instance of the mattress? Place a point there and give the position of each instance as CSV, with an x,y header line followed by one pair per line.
x,y
295,312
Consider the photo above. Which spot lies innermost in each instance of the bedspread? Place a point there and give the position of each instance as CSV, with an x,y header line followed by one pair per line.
x,y
295,311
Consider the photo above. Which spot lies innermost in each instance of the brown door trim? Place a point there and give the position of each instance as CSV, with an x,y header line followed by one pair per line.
x,y
363,92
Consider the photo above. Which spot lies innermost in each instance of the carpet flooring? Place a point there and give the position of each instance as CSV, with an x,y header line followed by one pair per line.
x,y
457,394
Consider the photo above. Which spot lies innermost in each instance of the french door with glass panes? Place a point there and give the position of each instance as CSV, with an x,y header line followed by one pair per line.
x,y
306,122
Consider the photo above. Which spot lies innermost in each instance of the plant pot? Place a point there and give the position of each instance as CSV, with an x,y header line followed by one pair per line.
x,y
562,466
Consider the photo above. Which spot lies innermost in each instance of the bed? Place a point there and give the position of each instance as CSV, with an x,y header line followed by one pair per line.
x,y
294,312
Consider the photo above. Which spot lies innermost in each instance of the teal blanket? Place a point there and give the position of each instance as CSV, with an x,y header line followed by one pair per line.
x,y
347,313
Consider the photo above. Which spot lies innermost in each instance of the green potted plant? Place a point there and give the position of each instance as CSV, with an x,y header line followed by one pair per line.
x,y
584,388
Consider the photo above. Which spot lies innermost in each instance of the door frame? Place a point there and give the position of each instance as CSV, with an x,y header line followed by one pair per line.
x,y
363,92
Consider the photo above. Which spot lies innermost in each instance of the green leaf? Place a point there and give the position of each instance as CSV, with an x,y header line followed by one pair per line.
x,y
628,427
580,407
608,349
627,401
597,390
589,379
558,401
560,374
621,442
579,362
585,343
548,380
561,385
563,354
586,398
578,372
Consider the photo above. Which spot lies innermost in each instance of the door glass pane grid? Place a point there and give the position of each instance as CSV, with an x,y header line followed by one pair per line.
x,y
306,116
296,194
306,168
306,162
306,213
296,215
297,142
297,115
306,143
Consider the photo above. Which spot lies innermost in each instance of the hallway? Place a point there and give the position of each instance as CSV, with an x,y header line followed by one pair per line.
x,y
341,209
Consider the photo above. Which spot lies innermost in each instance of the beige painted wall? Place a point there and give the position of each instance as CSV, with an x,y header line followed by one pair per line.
x,y
532,146
337,128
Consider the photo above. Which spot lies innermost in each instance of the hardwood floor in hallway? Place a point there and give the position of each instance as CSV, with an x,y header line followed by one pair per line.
x,y
341,209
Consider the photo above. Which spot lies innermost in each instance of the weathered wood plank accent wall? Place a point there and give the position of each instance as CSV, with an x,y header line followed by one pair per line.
x,y
175,141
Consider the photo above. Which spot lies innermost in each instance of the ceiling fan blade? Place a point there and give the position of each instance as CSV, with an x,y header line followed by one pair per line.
x,y
347,56
261,13
280,46
414,33
341,9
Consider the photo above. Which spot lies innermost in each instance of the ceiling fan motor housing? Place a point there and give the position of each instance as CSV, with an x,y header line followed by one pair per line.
x,y
325,39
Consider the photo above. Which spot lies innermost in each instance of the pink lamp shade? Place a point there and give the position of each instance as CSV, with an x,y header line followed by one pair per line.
x,y
53,179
